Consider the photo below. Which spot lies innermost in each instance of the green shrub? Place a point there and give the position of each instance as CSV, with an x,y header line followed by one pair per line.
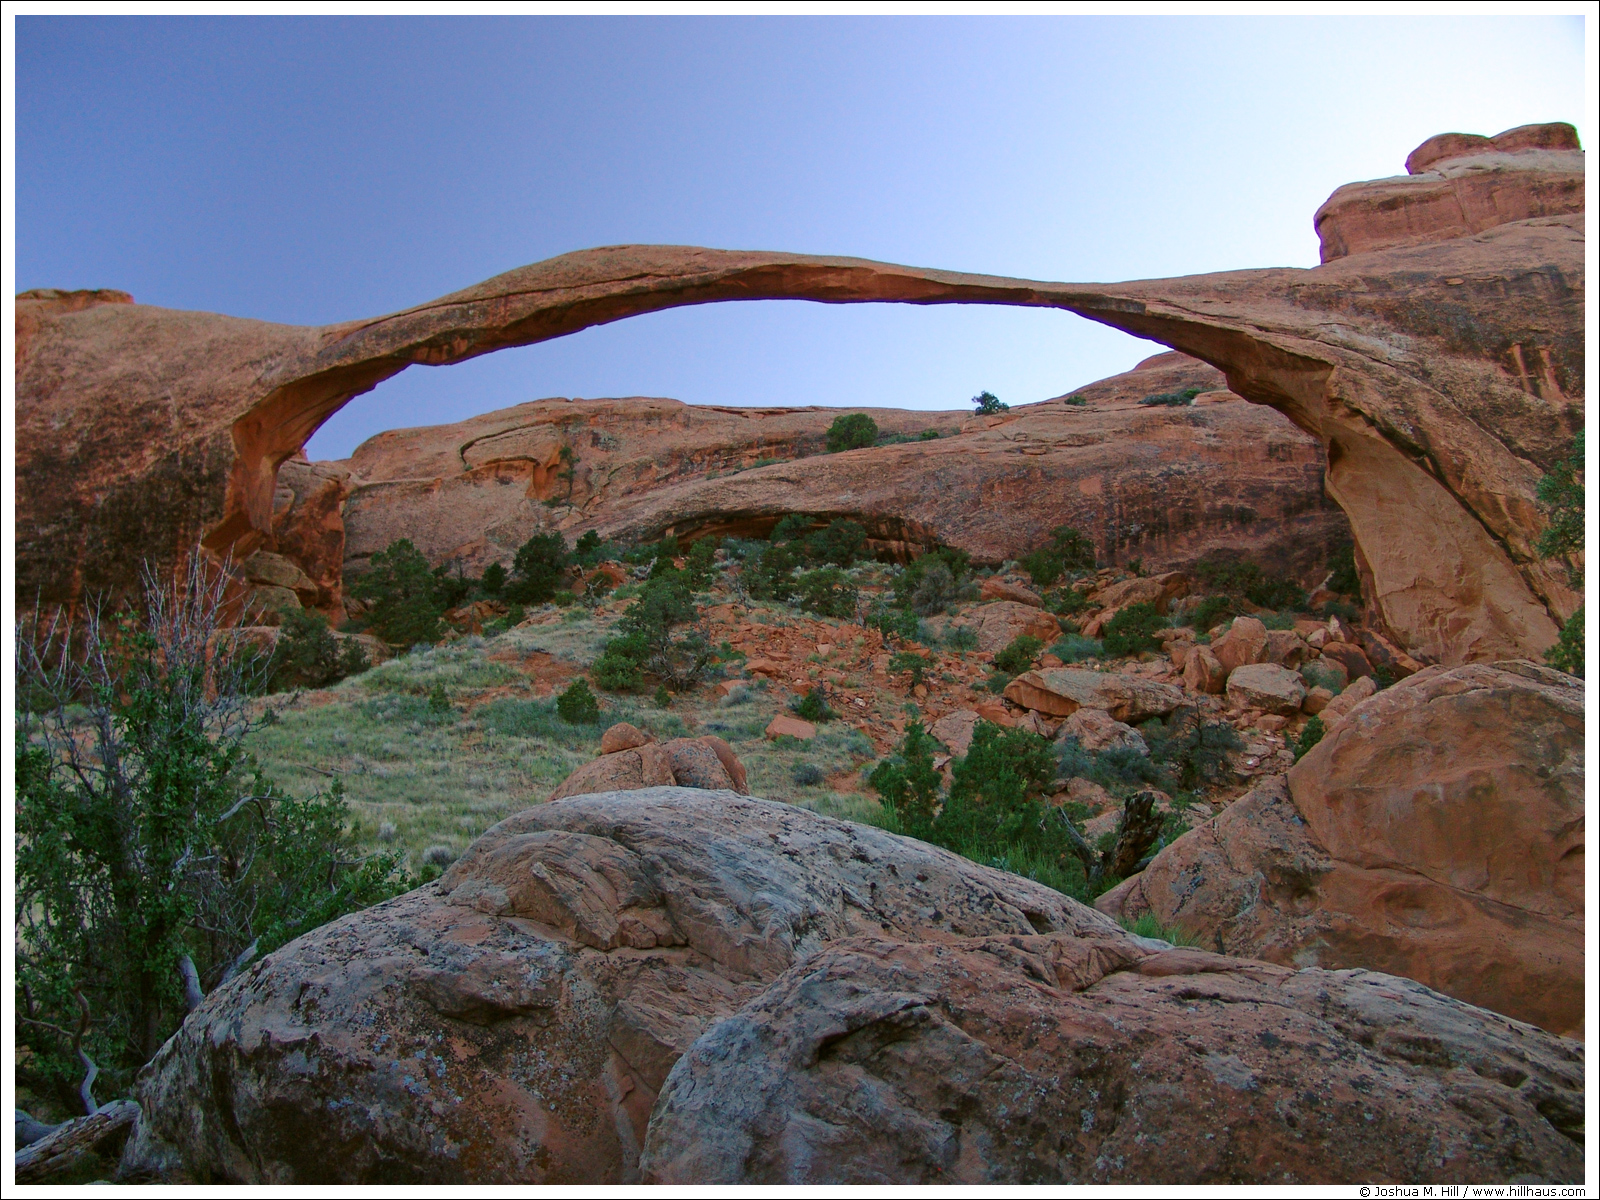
x,y
961,638
154,859
1567,654
1320,674
841,543
700,565
851,432
1239,577
1561,493
1067,550
907,783
537,568
1343,577
1196,751
494,579
1002,766
895,622
928,435
307,655
663,698
438,701
769,575
998,682
1075,648
909,660
1066,602
1019,655
827,592
808,775
813,706
450,588
1148,926
577,705
588,552
1132,631
986,404
1212,611
1171,399
1309,737
398,590
653,639
1076,400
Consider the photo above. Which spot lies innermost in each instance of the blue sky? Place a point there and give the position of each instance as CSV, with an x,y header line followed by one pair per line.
x,y
309,170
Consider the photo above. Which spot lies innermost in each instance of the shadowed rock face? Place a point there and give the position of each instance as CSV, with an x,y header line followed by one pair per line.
x,y
1164,485
1443,377
517,1020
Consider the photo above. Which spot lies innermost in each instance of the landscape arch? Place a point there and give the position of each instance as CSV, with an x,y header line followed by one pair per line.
x,y
1443,511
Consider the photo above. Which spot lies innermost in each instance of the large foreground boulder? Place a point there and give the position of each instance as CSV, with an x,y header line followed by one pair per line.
x,y
1437,832
517,1020
513,1021
1046,1060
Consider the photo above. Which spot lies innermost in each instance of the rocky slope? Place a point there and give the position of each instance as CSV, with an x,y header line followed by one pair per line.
x,y
694,986
1164,485
1442,369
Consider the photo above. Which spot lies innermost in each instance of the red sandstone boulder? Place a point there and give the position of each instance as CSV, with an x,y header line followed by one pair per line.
x,y
1437,831
1159,590
995,587
1047,1060
631,759
1245,642
1266,686
1000,623
1203,673
1061,691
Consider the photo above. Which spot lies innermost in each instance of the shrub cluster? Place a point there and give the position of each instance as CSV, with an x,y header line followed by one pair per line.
x,y
1237,577
986,404
1171,399
852,432
1132,631
662,635
1067,550
307,655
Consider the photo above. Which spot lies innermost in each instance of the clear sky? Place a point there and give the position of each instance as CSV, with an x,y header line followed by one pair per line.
x,y
310,170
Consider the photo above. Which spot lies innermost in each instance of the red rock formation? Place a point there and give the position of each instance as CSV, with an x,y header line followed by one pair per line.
x,y
1457,184
1436,832
1443,377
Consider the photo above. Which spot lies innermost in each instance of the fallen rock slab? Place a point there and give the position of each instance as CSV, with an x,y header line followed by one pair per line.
x,y
784,726
1062,691
1002,622
1040,1059
1098,730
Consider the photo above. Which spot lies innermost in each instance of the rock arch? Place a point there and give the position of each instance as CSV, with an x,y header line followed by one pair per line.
x,y
1443,376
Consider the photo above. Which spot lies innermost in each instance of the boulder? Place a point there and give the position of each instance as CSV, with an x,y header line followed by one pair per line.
x,y
1178,652
623,736
1285,648
1266,686
954,729
1317,699
1325,672
1436,832
1244,643
514,1020
787,726
1044,1060
1097,730
1159,590
1334,711
623,771
1000,623
697,765
1061,691
638,761
1349,656
1203,673
994,587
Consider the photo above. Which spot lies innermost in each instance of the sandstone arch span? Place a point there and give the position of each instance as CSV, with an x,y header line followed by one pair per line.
x,y
1443,377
